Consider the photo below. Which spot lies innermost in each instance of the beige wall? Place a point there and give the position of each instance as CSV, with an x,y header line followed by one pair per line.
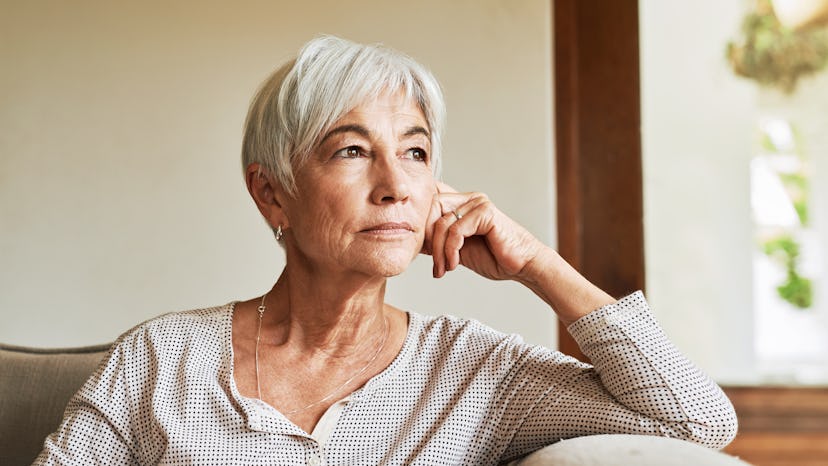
x,y
120,188
697,135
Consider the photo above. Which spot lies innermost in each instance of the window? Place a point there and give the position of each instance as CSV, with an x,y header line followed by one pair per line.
x,y
734,223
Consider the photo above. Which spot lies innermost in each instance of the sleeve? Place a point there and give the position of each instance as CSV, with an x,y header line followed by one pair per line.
x,y
85,437
98,421
639,383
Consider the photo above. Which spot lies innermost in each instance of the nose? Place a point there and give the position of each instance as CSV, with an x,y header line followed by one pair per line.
x,y
391,183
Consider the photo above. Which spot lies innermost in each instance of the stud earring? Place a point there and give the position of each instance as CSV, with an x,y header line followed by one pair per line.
x,y
279,233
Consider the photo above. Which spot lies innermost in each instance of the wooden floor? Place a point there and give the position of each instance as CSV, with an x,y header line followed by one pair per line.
x,y
781,426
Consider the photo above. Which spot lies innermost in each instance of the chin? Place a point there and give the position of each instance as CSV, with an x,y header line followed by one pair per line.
x,y
389,263
393,271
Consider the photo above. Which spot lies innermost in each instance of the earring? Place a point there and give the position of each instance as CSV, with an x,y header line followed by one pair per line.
x,y
279,233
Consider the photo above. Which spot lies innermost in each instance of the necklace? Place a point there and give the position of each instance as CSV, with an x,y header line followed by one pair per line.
x,y
261,310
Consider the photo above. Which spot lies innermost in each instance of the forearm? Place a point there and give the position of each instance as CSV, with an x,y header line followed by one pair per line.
x,y
639,383
569,294
644,371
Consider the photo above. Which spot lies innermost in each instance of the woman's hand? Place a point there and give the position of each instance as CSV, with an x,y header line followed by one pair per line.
x,y
467,229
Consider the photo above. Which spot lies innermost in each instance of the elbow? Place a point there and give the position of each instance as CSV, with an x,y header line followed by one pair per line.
x,y
717,436
728,429
715,431
725,425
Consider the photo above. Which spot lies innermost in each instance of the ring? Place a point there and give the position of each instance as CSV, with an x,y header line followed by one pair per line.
x,y
456,215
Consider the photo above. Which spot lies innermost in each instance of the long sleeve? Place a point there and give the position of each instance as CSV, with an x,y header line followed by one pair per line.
x,y
95,423
85,437
639,383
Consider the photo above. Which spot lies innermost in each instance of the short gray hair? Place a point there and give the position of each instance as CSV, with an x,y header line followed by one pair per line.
x,y
330,76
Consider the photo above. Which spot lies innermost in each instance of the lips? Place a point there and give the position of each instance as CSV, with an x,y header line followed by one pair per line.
x,y
390,228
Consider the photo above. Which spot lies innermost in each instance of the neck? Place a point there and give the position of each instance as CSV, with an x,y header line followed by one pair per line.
x,y
338,317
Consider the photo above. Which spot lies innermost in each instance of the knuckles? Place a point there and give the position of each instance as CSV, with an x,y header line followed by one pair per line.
x,y
442,223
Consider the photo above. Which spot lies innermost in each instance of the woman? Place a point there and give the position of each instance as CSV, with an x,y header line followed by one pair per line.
x,y
340,153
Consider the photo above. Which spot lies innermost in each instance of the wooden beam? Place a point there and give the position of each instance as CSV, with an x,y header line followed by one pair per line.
x,y
598,144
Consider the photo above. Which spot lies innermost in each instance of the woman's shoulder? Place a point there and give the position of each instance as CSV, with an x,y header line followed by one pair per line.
x,y
449,331
453,324
447,347
176,330
158,353
193,318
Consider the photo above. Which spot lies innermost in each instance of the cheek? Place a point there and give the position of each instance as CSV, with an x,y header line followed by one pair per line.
x,y
426,190
312,218
323,221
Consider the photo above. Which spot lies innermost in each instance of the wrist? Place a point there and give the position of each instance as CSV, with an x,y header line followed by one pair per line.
x,y
556,282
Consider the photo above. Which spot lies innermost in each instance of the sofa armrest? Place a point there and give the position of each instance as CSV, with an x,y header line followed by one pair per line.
x,y
618,450
35,386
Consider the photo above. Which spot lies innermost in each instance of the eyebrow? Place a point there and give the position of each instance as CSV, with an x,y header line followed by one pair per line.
x,y
352,128
416,130
363,131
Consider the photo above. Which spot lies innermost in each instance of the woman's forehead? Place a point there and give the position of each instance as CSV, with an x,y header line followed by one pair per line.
x,y
396,105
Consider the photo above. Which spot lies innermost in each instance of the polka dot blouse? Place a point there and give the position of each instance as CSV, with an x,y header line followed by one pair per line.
x,y
458,393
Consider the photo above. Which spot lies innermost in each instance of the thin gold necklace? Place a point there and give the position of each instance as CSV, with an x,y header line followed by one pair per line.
x,y
262,308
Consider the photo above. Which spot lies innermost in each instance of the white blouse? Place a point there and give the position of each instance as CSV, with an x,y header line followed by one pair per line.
x,y
458,393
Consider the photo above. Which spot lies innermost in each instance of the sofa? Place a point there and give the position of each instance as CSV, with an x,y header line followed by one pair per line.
x,y
36,384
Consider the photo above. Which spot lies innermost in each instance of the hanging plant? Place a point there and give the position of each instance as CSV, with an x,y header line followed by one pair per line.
x,y
776,55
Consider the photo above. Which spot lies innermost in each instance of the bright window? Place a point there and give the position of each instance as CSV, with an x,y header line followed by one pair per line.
x,y
736,190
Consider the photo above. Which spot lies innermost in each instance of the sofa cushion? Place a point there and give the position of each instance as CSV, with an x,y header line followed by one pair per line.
x,y
623,450
35,385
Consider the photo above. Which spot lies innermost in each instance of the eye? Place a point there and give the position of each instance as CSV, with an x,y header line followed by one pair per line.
x,y
350,152
416,154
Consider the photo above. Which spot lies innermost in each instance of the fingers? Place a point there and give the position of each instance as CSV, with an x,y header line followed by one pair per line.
x,y
453,217
438,243
455,202
463,214
444,188
470,223
433,215
467,229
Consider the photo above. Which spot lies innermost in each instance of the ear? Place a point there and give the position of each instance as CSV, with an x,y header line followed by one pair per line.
x,y
267,194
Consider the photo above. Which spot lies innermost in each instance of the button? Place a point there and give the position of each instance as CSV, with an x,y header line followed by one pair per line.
x,y
315,460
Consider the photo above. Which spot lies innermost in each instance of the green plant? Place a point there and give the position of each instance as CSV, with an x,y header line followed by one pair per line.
x,y
796,289
796,184
774,55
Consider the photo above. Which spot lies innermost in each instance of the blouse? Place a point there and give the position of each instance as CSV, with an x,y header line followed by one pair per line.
x,y
458,392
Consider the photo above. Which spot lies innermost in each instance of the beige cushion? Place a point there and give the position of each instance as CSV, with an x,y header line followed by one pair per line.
x,y
35,385
623,450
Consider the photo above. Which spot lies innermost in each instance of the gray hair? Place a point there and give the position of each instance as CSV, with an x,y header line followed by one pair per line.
x,y
302,100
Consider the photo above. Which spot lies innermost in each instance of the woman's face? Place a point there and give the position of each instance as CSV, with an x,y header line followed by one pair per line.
x,y
364,195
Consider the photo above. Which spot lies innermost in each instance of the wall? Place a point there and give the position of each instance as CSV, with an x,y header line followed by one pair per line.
x,y
697,138
121,194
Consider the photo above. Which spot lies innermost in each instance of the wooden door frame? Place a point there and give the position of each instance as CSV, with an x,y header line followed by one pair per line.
x,y
598,145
